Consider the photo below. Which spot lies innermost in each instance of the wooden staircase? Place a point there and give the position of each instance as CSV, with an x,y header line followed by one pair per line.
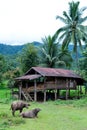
x,y
27,96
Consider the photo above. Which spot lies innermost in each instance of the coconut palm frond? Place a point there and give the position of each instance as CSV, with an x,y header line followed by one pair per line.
x,y
62,29
66,41
68,19
61,18
82,20
83,9
73,9
49,51
60,64
64,34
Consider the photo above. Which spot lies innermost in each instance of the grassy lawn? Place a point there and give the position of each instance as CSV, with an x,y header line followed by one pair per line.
x,y
55,115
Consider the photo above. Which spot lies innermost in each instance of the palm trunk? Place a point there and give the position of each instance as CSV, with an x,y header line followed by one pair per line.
x,y
77,61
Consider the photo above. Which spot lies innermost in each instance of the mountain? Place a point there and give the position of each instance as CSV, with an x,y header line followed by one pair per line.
x,y
35,43
14,49
10,50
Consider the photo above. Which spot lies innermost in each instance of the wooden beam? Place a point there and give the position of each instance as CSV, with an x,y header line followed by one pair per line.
x,y
44,95
78,92
44,89
69,87
55,94
55,88
66,94
26,85
66,89
25,96
58,93
81,90
35,91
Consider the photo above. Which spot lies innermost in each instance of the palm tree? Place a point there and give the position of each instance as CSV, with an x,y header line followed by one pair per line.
x,y
50,54
73,31
65,55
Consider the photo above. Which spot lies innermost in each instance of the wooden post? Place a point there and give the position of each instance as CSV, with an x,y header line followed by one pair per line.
x,y
35,91
20,89
44,89
55,88
58,90
69,88
66,89
44,95
58,93
66,94
81,90
78,92
69,92
55,94
26,85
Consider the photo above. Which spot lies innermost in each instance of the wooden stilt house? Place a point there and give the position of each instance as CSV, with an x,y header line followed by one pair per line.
x,y
38,83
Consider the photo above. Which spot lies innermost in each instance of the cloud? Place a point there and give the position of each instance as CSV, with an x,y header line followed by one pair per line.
x,y
24,21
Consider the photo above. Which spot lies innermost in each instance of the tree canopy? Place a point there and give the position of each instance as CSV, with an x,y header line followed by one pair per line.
x,y
52,55
29,57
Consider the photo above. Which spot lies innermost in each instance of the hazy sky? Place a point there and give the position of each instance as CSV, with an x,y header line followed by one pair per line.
x,y
23,21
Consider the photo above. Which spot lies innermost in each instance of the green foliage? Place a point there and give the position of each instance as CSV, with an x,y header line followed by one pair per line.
x,y
29,57
65,55
10,50
75,103
8,121
10,74
74,31
12,63
53,56
8,68
49,52
83,64
2,62
2,65
5,95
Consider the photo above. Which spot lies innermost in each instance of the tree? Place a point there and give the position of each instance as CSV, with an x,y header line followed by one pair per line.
x,y
73,31
83,64
2,66
50,53
29,57
65,55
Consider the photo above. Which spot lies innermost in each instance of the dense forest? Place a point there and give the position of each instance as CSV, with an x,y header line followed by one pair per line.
x,y
13,49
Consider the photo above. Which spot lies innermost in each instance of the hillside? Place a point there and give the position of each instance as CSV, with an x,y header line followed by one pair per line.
x,y
11,50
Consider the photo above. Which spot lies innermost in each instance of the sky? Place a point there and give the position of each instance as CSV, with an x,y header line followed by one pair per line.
x,y
25,21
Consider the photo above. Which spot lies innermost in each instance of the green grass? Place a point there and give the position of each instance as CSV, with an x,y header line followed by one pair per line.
x,y
5,95
57,115
54,115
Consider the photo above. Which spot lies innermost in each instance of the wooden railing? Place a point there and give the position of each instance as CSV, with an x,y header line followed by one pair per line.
x,y
49,85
